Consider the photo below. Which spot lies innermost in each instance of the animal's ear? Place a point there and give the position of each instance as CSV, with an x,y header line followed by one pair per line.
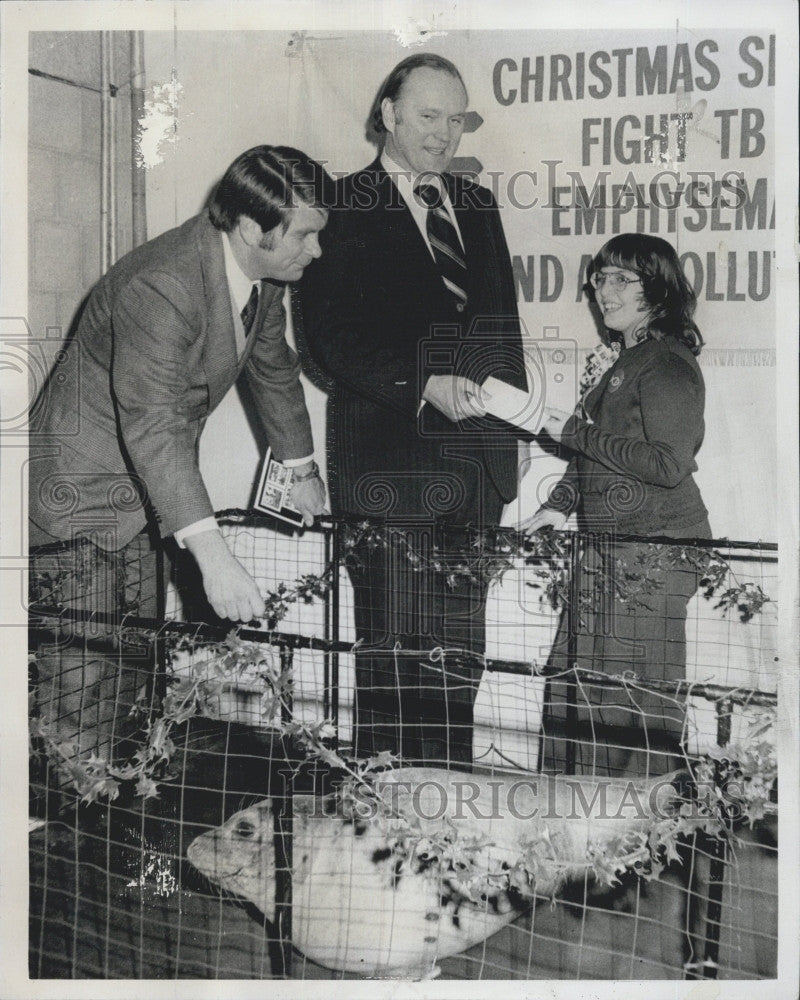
x,y
257,814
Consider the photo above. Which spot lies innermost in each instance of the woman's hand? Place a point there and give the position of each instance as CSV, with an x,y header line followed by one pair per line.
x,y
554,421
544,517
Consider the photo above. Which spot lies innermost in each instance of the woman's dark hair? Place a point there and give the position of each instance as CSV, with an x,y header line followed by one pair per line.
x,y
393,83
265,183
665,287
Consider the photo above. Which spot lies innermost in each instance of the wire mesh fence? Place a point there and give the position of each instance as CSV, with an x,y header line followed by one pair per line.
x,y
536,858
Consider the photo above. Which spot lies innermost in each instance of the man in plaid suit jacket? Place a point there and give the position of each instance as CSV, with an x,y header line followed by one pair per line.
x,y
114,436
160,342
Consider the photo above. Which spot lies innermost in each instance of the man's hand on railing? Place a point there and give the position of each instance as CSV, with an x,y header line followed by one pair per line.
x,y
544,517
230,589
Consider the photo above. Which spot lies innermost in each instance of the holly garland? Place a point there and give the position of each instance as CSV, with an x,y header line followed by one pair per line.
x,y
733,784
630,573
544,556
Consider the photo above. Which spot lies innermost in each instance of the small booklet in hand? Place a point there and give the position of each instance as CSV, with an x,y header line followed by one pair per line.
x,y
274,488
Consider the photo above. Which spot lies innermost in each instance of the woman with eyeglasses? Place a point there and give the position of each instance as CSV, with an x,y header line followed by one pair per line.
x,y
632,443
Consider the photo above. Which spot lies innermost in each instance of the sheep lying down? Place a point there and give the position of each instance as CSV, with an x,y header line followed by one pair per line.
x,y
385,892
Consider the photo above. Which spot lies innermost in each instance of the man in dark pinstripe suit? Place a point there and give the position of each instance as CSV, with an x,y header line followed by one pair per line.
x,y
410,309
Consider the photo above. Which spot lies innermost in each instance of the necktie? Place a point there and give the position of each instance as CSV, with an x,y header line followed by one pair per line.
x,y
249,311
444,242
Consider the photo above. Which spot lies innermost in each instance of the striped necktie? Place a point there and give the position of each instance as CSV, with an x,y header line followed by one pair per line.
x,y
250,310
445,244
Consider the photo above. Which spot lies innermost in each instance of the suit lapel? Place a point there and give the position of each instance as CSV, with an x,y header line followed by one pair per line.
x,y
399,232
220,359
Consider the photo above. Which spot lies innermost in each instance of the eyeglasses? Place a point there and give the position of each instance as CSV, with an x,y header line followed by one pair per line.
x,y
615,279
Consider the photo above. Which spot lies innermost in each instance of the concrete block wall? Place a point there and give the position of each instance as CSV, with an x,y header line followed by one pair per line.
x,y
64,175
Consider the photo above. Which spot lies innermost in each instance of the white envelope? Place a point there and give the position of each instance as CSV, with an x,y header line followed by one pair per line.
x,y
515,406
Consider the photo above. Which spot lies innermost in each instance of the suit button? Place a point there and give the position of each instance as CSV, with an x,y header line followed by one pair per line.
x,y
460,306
